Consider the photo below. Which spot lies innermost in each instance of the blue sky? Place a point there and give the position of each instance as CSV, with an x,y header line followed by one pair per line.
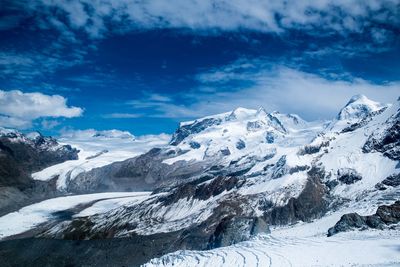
x,y
143,66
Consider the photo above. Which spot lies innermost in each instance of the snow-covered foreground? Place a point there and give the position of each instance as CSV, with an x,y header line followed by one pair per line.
x,y
31,216
301,245
98,149
347,249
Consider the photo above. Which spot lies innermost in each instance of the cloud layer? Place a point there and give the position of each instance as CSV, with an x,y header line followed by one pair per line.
x,y
259,83
96,17
19,110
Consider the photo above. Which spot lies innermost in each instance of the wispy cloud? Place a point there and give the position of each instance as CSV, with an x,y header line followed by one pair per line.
x,y
149,100
259,83
75,26
97,18
49,124
29,65
122,116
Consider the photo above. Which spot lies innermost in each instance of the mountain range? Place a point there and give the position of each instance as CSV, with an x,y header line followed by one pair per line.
x,y
241,188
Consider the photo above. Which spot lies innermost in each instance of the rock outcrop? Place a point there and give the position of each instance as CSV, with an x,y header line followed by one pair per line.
x,y
384,216
20,155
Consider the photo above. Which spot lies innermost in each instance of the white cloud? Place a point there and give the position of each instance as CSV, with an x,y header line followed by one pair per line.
x,y
18,109
28,65
49,124
258,83
122,116
79,21
92,133
14,122
95,16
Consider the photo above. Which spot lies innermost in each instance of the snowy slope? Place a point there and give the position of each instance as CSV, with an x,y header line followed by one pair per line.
x,y
270,173
358,108
306,244
31,216
241,132
345,152
256,169
98,148
282,248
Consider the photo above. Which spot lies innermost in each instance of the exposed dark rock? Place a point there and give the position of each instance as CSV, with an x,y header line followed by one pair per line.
x,y
270,155
348,222
354,126
225,151
279,168
144,172
392,180
312,149
385,215
19,157
348,176
310,204
196,127
388,143
202,191
98,154
194,145
331,184
270,137
240,144
133,251
380,186
276,123
389,214
232,230
298,169
374,221
254,125
363,122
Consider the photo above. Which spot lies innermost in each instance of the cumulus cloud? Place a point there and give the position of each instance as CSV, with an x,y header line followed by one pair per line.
x,y
258,83
19,110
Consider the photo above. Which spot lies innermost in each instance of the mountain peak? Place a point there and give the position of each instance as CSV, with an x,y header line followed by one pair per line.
x,y
359,97
358,107
34,135
241,113
262,111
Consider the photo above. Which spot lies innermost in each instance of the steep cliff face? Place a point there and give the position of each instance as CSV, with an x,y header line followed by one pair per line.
x,y
20,155
23,154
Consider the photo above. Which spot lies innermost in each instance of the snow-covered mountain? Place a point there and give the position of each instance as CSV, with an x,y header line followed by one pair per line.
x,y
20,155
24,153
97,149
228,178
242,132
358,108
